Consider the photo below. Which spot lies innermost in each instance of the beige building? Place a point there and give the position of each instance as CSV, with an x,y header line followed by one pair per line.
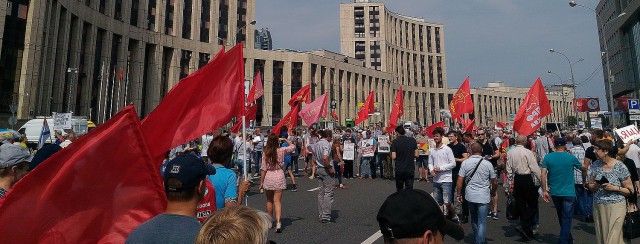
x,y
93,57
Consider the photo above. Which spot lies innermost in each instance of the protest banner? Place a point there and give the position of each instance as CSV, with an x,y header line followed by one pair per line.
x,y
628,133
367,148
62,121
383,144
349,152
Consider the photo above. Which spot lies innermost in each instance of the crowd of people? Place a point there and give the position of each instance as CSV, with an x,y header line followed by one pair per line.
x,y
591,174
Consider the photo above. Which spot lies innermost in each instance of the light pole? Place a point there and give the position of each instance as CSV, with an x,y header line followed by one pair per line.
x,y
573,81
563,96
609,80
75,72
224,41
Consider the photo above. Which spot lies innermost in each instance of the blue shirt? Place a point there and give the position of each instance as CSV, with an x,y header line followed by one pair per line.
x,y
287,157
615,176
224,181
560,176
166,228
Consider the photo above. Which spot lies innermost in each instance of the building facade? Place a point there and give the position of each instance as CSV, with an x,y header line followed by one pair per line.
x,y
621,34
93,57
263,39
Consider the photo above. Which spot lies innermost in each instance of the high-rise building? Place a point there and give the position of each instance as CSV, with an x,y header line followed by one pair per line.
x,y
263,39
619,24
409,48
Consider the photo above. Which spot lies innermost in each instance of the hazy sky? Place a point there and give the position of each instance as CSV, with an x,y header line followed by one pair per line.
x,y
487,40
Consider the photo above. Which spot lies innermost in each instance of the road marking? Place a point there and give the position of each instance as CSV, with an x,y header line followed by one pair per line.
x,y
373,238
314,189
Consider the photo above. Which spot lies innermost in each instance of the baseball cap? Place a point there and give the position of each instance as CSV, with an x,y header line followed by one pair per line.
x,y
409,213
188,169
560,142
11,155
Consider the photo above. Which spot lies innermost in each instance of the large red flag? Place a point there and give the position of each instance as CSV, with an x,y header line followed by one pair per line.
x,y
501,125
303,95
396,112
461,102
535,106
432,127
470,125
256,90
251,113
96,190
313,111
198,104
367,108
334,115
290,120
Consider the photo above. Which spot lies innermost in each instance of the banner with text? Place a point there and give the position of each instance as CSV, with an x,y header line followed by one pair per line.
x,y
628,133
62,121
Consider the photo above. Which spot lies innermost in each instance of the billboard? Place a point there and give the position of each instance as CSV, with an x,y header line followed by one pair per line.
x,y
587,104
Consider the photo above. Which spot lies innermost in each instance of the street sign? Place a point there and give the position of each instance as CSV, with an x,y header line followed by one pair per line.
x,y
634,117
634,111
633,104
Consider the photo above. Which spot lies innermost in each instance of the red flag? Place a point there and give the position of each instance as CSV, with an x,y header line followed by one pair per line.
x,y
251,114
396,111
198,104
432,127
290,120
535,106
303,95
461,102
501,125
256,90
470,125
367,108
334,115
97,190
313,111
503,150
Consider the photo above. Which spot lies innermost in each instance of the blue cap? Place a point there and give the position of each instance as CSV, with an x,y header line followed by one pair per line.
x,y
189,170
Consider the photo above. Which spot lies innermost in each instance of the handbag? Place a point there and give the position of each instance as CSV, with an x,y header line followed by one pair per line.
x,y
631,225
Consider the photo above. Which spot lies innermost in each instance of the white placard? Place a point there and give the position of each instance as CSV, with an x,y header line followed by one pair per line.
x,y
349,151
628,133
367,148
62,121
383,144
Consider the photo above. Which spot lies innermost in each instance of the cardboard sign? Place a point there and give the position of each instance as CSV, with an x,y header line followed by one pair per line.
x,y
628,133
62,121
349,151
367,148
383,144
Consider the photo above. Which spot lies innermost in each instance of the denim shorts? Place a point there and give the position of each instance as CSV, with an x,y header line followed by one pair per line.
x,y
443,193
422,161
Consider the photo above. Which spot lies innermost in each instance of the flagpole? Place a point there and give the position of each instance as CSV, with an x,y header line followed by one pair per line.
x,y
244,139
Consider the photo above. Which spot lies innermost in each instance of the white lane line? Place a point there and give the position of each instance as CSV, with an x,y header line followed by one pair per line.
x,y
373,238
314,189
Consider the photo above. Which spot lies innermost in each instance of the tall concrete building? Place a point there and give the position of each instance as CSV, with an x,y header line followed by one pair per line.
x,y
93,57
409,48
622,38
263,39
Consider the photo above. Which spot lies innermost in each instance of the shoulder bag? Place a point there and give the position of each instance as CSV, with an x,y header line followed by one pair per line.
x,y
631,225
467,179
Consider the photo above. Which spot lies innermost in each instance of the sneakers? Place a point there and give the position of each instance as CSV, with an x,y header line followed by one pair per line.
x,y
311,177
495,216
256,175
342,186
490,214
535,231
294,188
525,235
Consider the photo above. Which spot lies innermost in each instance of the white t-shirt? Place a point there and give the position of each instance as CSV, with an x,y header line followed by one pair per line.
x,y
65,143
258,143
206,140
634,154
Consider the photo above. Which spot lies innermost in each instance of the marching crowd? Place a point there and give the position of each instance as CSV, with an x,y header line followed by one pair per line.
x,y
591,174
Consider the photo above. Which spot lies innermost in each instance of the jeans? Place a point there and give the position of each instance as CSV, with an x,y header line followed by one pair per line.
x,y
584,201
443,193
479,220
294,163
336,167
257,160
564,209
365,169
404,180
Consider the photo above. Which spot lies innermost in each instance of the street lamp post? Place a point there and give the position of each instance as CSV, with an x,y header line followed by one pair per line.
x,y
573,81
609,80
563,96
224,41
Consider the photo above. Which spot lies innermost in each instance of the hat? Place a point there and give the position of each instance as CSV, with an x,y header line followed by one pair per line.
x,y
560,142
188,169
43,154
410,213
11,155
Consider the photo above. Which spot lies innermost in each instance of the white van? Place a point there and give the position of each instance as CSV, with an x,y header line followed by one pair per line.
x,y
33,128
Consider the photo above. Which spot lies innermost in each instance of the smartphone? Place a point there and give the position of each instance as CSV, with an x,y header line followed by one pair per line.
x,y
602,180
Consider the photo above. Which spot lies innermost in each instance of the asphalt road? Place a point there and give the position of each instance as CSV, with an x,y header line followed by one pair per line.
x,y
355,209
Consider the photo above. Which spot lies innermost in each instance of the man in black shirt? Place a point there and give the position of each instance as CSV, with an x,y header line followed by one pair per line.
x,y
404,150
460,154
490,152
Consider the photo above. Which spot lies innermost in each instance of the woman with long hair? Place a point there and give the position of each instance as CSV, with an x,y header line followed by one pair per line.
x,y
272,176
338,163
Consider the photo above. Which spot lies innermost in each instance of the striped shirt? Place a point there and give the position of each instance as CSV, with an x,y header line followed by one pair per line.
x,y
579,152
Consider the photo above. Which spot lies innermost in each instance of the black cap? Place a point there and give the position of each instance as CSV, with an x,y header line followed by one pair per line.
x,y
410,213
189,170
560,142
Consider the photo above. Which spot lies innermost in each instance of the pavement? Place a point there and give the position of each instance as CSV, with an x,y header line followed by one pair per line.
x,y
354,216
